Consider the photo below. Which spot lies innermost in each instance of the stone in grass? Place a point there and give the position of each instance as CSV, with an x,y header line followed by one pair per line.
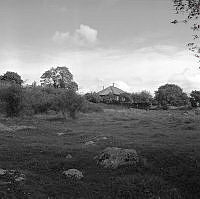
x,y
90,143
2,172
20,177
68,156
113,157
59,134
73,173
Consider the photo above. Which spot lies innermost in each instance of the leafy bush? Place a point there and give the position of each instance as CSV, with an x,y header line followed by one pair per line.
x,y
68,102
89,107
37,100
93,97
195,98
11,97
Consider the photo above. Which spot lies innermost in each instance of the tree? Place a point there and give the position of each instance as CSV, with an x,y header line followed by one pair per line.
x,y
191,12
171,94
59,77
68,102
195,98
12,77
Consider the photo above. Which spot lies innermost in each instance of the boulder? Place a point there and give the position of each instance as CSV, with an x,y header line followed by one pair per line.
x,y
113,157
90,143
73,173
2,171
68,156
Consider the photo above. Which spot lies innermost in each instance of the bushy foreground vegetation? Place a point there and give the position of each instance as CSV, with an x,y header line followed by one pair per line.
x,y
16,100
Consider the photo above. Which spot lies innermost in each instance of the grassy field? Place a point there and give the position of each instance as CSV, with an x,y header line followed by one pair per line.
x,y
167,141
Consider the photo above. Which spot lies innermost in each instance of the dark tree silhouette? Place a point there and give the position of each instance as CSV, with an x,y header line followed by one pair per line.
x,y
12,77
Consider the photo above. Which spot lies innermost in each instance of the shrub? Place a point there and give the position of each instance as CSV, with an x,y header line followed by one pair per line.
x,y
68,102
12,99
89,107
93,97
37,100
195,98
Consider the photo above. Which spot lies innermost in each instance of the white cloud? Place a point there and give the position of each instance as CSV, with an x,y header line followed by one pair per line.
x,y
131,70
60,37
83,36
85,33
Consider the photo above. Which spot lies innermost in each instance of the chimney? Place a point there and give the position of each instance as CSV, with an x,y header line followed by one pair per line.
x,y
113,84
103,87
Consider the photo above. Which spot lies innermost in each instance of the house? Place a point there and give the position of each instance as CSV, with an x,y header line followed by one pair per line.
x,y
111,94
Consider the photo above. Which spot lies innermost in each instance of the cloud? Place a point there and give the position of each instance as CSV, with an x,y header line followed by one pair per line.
x,y
60,37
189,79
134,70
131,70
83,36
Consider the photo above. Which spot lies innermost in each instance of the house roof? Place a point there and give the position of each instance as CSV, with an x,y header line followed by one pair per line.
x,y
112,90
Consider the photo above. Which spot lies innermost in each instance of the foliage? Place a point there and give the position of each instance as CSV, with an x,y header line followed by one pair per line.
x,y
59,77
143,97
191,11
93,97
141,100
68,102
12,77
12,99
195,98
90,107
171,94
38,99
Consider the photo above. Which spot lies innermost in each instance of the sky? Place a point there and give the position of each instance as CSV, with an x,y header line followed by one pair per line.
x,y
127,42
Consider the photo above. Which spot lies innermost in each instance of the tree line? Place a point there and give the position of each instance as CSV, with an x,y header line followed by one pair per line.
x,y
58,92
167,95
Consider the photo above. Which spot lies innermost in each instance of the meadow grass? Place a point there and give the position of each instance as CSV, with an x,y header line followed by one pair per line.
x,y
167,141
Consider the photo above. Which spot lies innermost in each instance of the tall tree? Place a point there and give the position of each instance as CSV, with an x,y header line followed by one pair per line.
x,y
171,94
12,77
59,77
190,10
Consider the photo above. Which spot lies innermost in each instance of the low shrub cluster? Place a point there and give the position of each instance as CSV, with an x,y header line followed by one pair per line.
x,y
90,107
11,100
16,100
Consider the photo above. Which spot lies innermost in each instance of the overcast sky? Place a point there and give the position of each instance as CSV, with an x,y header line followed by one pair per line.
x,y
128,42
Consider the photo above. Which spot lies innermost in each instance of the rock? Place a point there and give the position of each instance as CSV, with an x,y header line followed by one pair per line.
x,y
90,143
113,157
20,178
59,134
73,173
69,156
2,172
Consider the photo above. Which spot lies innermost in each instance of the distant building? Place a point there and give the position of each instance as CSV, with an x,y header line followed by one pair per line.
x,y
111,93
